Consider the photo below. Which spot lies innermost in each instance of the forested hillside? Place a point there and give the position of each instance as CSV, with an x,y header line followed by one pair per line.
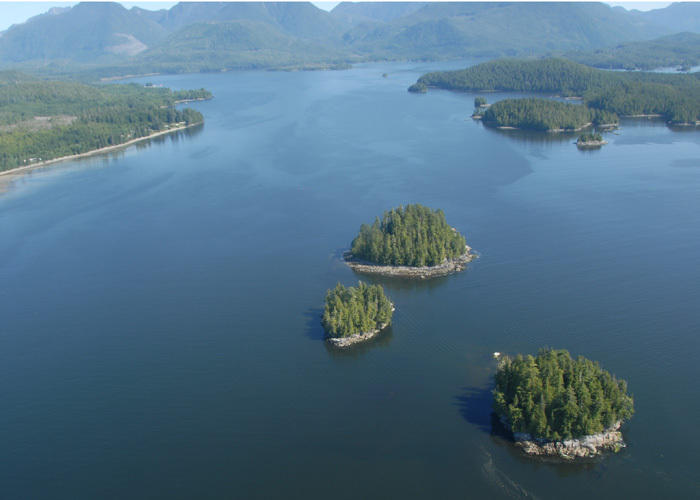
x,y
42,120
682,50
106,39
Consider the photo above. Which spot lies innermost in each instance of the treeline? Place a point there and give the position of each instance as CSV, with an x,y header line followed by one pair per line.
x,y
191,95
676,97
411,235
352,310
682,49
543,115
555,397
42,120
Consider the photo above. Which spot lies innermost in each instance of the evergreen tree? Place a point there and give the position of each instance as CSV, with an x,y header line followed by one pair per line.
x,y
413,235
350,310
555,397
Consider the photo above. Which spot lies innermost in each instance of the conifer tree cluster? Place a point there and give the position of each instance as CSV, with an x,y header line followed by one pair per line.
x,y
413,235
555,397
351,310
590,137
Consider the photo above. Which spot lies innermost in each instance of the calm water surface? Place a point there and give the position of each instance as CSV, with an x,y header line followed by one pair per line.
x,y
159,307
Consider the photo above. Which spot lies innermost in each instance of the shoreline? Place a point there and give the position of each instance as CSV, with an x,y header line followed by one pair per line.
x,y
196,99
423,272
589,446
591,144
96,151
356,338
548,131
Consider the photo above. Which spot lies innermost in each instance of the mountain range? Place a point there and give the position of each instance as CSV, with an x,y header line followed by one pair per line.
x,y
109,39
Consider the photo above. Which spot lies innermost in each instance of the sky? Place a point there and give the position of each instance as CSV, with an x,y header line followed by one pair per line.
x,y
18,12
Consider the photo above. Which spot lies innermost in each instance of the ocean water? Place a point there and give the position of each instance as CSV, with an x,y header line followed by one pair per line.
x,y
160,306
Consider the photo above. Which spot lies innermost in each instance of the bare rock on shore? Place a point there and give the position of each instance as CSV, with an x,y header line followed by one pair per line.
x,y
569,449
447,267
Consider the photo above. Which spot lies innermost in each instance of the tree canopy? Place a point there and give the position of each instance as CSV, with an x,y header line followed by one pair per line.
x,y
411,235
555,397
538,114
353,310
43,120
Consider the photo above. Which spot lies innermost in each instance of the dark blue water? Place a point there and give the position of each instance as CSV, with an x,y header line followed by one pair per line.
x,y
159,307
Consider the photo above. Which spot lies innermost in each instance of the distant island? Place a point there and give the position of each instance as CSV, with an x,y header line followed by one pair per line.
x,y
543,115
673,97
43,122
593,140
557,406
411,241
355,314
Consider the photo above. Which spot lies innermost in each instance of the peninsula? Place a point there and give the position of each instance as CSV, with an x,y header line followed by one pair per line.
x,y
410,241
43,122
355,314
560,407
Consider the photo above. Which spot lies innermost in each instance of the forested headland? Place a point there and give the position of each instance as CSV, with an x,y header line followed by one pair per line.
x,y
544,115
411,235
552,396
44,120
356,310
675,97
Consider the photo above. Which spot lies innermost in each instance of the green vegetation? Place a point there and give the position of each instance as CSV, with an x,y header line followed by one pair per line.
x,y
479,101
555,397
94,39
592,137
418,88
538,114
43,120
675,97
413,235
682,49
349,310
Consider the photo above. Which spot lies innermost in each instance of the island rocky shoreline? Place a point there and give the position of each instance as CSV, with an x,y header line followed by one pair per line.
x,y
569,449
447,267
590,144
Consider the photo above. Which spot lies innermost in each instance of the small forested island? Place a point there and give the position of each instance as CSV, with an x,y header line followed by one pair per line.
x,y
544,115
557,406
411,241
46,121
355,314
673,97
591,140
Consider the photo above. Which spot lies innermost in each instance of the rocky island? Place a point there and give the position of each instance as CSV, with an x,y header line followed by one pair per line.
x,y
412,241
559,407
355,314
593,140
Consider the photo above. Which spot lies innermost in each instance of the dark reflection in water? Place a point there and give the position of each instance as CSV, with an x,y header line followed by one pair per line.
x,y
314,329
533,137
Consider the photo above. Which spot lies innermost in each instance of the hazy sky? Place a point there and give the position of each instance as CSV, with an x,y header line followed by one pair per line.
x,y
18,12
